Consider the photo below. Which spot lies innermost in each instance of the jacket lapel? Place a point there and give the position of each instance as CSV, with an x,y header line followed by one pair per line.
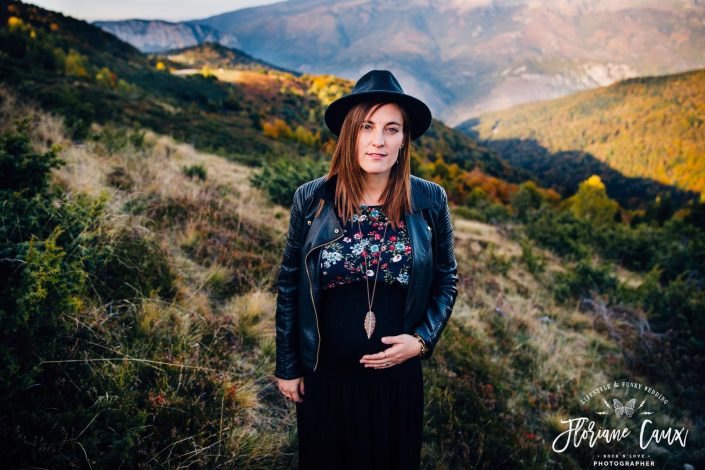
x,y
421,262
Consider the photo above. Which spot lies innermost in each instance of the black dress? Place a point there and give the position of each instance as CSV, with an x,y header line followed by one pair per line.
x,y
352,416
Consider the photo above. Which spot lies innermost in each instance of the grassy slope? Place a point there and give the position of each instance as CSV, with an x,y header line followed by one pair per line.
x,y
511,364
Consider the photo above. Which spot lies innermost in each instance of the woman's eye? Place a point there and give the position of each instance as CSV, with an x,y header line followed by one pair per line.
x,y
394,130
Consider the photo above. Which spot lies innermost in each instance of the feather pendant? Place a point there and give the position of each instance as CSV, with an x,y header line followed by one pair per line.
x,y
370,321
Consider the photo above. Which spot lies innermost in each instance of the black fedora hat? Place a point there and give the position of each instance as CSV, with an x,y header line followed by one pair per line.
x,y
379,85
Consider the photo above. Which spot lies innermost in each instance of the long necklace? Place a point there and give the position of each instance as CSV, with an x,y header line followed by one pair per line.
x,y
370,319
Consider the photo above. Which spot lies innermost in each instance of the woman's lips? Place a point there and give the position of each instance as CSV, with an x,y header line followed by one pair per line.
x,y
376,155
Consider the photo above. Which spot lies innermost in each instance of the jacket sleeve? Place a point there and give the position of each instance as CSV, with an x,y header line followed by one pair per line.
x,y
287,316
443,290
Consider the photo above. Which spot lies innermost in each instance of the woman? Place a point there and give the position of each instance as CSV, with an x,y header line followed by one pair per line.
x,y
366,286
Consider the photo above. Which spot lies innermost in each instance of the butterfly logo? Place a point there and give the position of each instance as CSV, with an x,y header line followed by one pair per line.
x,y
626,409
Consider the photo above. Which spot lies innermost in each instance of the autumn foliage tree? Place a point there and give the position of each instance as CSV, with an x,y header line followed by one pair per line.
x,y
592,204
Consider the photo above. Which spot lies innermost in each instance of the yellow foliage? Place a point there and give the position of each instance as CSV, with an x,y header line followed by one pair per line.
x,y
76,64
681,213
160,65
595,182
14,22
206,71
54,27
305,136
276,129
125,87
592,204
106,77
327,88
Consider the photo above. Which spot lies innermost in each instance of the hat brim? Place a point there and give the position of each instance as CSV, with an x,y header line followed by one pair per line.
x,y
417,109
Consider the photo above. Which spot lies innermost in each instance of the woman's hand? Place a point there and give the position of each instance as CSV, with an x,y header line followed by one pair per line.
x,y
404,347
292,389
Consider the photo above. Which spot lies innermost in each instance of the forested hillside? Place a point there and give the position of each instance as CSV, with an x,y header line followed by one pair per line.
x,y
641,129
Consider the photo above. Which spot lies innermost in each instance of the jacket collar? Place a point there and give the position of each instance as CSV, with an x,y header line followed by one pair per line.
x,y
419,198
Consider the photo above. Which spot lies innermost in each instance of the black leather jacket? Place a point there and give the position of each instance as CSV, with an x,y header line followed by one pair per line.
x,y
431,291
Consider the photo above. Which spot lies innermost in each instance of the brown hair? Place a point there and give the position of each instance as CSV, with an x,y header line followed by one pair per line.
x,y
349,185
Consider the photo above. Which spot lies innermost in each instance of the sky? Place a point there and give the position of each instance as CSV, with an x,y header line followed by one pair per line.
x,y
170,10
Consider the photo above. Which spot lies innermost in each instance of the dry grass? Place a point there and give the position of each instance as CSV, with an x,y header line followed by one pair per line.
x,y
46,130
195,320
563,339
156,170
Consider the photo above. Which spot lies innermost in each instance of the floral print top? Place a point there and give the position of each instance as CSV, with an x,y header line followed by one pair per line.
x,y
343,261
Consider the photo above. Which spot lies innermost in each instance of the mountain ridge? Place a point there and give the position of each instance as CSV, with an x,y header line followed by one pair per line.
x,y
465,58
158,35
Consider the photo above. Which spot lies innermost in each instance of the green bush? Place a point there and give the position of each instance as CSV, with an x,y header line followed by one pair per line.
x,y
126,265
533,262
478,206
634,248
57,257
560,232
281,178
39,282
582,280
671,254
527,200
195,171
116,138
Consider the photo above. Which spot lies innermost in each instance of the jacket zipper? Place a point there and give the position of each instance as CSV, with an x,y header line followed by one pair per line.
x,y
313,302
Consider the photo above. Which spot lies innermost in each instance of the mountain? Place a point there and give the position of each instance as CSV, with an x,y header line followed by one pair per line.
x,y
158,36
87,75
637,130
218,56
471,56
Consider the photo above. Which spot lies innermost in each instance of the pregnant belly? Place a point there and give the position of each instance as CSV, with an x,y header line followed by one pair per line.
x,y
343,337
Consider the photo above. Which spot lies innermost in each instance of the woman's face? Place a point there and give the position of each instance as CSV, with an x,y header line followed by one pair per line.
x,y
380,138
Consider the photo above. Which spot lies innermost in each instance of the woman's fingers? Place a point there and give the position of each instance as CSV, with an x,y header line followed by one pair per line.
x,y
391,356
293,394
372,357
382,359
290,388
